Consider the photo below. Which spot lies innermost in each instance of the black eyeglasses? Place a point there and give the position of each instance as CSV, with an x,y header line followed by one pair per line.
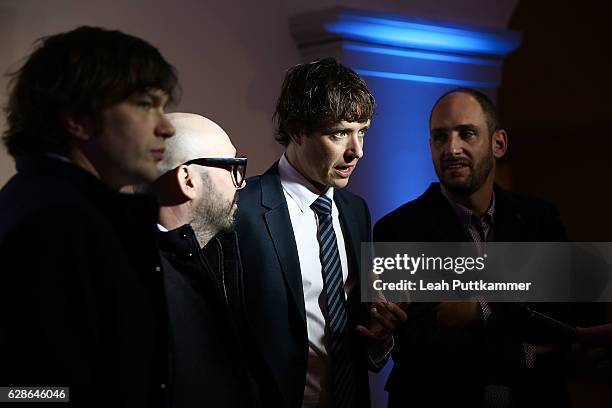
x,y
235,165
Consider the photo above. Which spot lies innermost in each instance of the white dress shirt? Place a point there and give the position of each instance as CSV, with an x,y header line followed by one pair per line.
x,y
300,194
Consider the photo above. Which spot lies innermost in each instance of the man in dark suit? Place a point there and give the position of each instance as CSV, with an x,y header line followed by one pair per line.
x,y
81,300
464,353
197,188
300,236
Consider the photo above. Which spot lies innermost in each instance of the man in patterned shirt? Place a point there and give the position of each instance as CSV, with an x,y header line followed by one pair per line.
x,y
464,348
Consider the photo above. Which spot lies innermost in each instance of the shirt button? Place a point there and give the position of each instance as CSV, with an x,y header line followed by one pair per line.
x,y
190,254
163,386
157,268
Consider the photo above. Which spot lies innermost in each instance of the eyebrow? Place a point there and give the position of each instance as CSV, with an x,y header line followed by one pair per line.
x,y
468,126
157,95
438,130
343,129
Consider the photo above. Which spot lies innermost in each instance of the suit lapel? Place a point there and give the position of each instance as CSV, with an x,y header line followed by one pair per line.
x,y
280,229
446,226
349,222
509,223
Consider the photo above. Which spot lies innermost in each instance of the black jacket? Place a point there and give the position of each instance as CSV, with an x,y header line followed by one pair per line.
x,y
206,312
81,299
436,366
273,286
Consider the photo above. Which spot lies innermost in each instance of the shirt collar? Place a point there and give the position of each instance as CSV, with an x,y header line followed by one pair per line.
x,y
466,215
298,188
58,156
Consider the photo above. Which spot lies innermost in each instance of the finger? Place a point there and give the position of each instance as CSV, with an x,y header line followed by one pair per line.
x,y
597,353
384,312
363,331
601,334
387,325
397,311
390,316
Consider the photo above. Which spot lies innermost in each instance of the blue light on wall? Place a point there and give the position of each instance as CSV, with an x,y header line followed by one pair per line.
x,y
422,36
426,79
431,56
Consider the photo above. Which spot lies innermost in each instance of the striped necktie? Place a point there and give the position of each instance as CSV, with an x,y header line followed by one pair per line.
x,y
342,368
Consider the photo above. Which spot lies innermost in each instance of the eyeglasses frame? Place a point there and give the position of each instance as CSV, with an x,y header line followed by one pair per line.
x,y
227,163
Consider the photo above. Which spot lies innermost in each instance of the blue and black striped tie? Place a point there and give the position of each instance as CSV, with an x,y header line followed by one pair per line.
x,y
343,371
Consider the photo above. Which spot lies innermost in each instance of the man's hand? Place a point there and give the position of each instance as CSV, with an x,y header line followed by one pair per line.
x,y
592,361
601,335
593,355
385,318
459,315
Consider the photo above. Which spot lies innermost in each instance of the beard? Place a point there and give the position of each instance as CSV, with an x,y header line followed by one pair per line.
x,y
476,178
213,214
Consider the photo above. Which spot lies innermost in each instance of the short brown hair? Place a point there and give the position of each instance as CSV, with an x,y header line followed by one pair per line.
x,y
319,94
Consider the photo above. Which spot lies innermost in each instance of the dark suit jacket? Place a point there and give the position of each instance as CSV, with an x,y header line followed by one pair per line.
x,y
208,365
436,366
81,299
273,284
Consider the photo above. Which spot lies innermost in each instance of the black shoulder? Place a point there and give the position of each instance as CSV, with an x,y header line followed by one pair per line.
x,y
351,198
411,213
252,183
355,210
525,204
250,209
536,214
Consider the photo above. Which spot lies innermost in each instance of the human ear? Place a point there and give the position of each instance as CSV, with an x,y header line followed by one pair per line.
x,y
185,181
499,143
297,138
80,128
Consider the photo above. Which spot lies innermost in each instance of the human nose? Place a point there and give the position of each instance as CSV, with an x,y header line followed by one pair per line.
x,y
455,145
164,127
355,147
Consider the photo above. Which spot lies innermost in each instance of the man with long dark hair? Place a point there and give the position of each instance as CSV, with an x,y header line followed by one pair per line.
x,y
81,300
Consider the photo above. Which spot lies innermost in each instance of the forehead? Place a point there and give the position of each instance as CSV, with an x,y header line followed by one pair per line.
x,y
158,93
457,109
343,124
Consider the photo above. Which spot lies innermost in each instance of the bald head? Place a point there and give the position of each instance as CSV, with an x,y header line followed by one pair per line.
x,y
486,105
201,195
195,137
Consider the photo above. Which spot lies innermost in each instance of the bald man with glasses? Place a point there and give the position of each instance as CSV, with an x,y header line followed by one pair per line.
x,y
197,188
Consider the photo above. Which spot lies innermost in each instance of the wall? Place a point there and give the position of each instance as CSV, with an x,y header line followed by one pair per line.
x,y
555,101
477,12
231,55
